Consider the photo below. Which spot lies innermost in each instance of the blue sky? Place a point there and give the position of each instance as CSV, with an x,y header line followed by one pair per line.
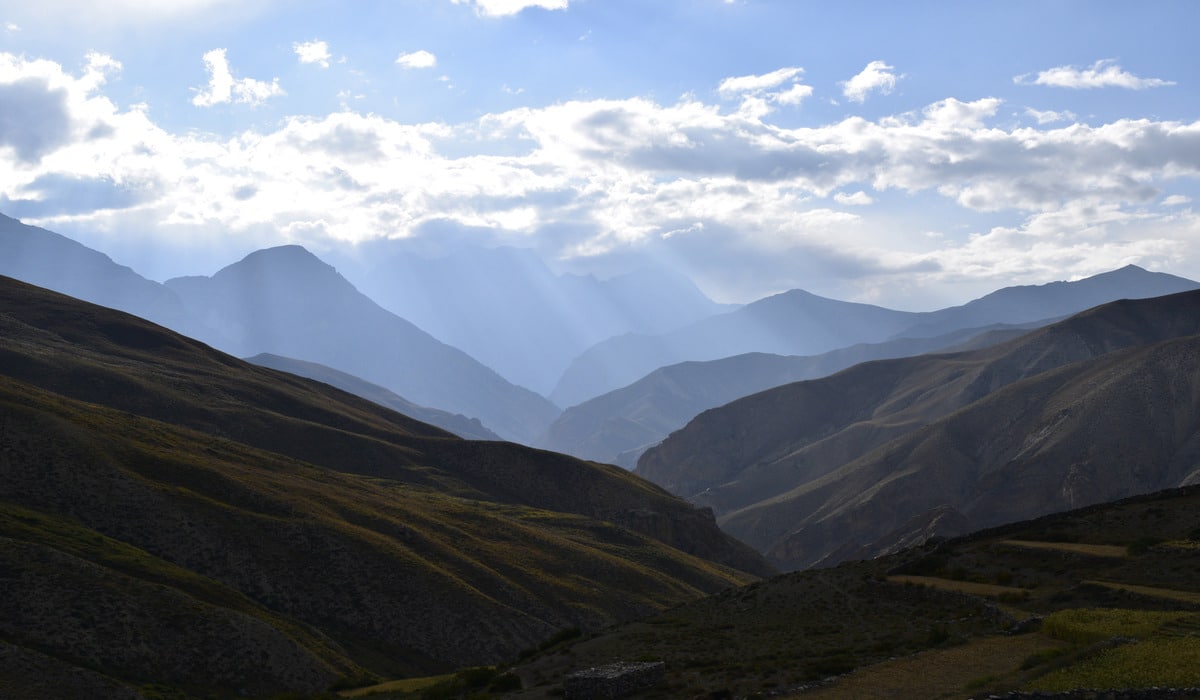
x,y
908,154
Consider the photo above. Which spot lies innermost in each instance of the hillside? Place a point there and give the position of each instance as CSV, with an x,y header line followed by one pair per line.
x,y
619,426
1102,597
817,471
285,301
172,515
469,428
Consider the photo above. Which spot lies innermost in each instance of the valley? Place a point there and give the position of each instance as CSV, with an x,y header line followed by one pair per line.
x,y
176,522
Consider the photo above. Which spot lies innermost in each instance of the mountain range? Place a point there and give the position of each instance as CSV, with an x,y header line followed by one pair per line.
x,y
171,515
508,310
621,424
1096,407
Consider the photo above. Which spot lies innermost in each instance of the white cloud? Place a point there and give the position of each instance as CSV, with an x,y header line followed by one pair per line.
x,y
758,83
1050,117
877,76
417,59
12,27
224,88
596,177
505,8
315,51
856,199
757,91
1103,73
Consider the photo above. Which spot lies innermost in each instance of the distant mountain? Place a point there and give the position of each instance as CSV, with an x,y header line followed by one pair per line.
x,y
792,323
799,323
1053,300
619,426
285,301
46,259
460,425
1097,407
177,519
505,308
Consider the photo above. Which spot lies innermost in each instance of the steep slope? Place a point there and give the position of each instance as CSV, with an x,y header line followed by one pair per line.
x,y
469,428
792,323
619,426
243,530
783,461
286,302
505,308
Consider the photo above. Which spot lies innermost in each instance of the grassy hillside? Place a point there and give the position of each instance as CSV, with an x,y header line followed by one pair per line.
x,y
886,453
171,516
1035,605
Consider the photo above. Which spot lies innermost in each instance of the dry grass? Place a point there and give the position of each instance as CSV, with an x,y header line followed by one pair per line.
x,y
407,685
939,673
989,590
1092,550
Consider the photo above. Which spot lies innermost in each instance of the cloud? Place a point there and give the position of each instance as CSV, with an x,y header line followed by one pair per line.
x,y
758,83
33,118
856,199
877,76
416,59
1050,117
711,182
11,27
758,90
224,88
315,51
1101,74
505,8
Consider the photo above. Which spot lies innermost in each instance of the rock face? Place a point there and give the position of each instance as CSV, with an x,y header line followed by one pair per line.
x,y
1098,407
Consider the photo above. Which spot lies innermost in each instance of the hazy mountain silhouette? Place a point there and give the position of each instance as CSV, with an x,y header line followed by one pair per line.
x,y
619,426
287,302
792,323
507,309
1093,408
172,515
460,425
46,259
799,323
1056,299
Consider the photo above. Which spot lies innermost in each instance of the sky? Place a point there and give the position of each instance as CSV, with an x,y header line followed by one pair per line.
x,y
913,155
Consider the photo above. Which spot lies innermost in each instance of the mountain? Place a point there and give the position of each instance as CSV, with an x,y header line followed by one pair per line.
x,y
173,519
507,309
46,259
799,323
460,425
285,301
1053,300
619,426
1089,409
792,323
